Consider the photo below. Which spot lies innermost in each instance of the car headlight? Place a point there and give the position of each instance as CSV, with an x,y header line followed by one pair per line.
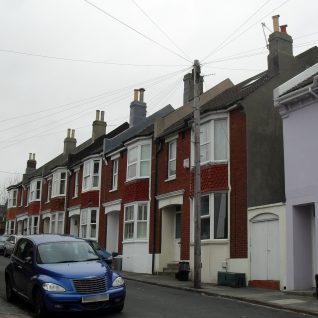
x,y
51,287
119,281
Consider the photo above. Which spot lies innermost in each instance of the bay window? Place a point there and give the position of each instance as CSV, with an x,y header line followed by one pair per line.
x,y
214,215
136,221
138,161
91,175
35,190
214,140
59,183
12,201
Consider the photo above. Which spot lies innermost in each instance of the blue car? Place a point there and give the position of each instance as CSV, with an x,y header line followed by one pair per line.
x,y
58,273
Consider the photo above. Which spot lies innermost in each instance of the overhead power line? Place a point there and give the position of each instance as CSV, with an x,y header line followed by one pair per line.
x,y
160,29
86,61
222,44
133,29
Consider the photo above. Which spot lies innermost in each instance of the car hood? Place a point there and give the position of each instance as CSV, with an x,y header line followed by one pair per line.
x,y
74,270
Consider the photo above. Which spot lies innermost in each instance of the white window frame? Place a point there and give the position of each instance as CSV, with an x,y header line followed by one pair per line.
x,y
135,220
138,162
21,197
10,227
34,228
56,183
86,220
49,189
89,176
56,219
172,160
209,122
35,193
76,184
13,198
210,215
115,170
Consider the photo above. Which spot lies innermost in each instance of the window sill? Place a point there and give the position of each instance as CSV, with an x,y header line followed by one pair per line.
x,y
90,189
113,190
135,241
136,178
171,178
213,242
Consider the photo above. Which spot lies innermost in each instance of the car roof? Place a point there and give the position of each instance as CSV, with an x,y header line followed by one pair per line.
x,y
50,238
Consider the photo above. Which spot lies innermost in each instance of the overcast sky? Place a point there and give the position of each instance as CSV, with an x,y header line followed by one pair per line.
x,y
60,61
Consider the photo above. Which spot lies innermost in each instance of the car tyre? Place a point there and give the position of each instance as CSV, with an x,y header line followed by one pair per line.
x,y
39,305
118,309
10,294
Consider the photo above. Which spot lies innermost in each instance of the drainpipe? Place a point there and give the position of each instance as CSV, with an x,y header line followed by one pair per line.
x,y
158,149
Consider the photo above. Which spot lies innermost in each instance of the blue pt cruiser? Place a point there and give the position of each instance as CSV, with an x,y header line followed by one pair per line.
x,y
58,273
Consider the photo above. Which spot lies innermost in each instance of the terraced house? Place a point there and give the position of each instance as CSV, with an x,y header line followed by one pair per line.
x,y
132,189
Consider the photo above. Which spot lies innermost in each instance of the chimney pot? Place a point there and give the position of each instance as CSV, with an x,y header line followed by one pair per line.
x,y
73,133
102,115
141,94
68,133
30,156
136,94
283,28
33,157
97,114
276,23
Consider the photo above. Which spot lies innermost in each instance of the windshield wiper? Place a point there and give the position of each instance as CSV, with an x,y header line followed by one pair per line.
x,y
70,261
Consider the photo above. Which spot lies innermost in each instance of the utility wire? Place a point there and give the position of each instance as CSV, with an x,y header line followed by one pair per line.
x,y
160,29
16,141
133,29
95,97
86,61
8,172
226,41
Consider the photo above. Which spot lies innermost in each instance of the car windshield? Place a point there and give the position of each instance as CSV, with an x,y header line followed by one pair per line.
x,y
65,252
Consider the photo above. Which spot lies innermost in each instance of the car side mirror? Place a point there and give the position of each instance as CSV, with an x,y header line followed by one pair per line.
x,y
28,260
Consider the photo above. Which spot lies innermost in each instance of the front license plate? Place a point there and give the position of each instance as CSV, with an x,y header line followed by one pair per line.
x,y
95,298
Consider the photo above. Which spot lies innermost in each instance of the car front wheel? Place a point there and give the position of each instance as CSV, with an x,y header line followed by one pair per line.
x,y
39,305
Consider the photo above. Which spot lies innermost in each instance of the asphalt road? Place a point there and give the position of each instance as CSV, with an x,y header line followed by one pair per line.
x,y
148,301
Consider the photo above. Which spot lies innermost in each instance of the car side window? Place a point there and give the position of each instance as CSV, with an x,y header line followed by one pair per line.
x,y
23,249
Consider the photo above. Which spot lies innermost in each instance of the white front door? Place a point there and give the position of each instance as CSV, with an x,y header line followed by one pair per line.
x,y
112,231
265,249
177,234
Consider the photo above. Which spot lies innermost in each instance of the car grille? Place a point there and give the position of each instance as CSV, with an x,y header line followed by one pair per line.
x,y
90,285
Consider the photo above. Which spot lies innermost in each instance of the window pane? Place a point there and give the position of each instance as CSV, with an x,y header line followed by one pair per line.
x,y
172,167
172,150
145,152
205,210
129,230
93,216
93,230
205,133
129,213
220,215
95,181
96,167
142,230
205,152
132,171
220,136
145,168
205,228
132,155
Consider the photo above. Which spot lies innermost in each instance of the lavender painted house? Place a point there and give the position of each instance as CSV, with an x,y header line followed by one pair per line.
x,y
297,103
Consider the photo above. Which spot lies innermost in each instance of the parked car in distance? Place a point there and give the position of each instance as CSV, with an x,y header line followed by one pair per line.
x,y
58,273
101,251
9,244
3,238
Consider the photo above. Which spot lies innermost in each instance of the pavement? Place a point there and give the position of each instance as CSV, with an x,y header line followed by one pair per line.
x,y
299,301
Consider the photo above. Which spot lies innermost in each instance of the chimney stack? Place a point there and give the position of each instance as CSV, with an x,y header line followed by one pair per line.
x,y
188,91
69,142
280,49
31,164
138,108
99,125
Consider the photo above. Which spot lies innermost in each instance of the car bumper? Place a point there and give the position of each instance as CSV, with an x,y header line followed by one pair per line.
x,y
71,302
